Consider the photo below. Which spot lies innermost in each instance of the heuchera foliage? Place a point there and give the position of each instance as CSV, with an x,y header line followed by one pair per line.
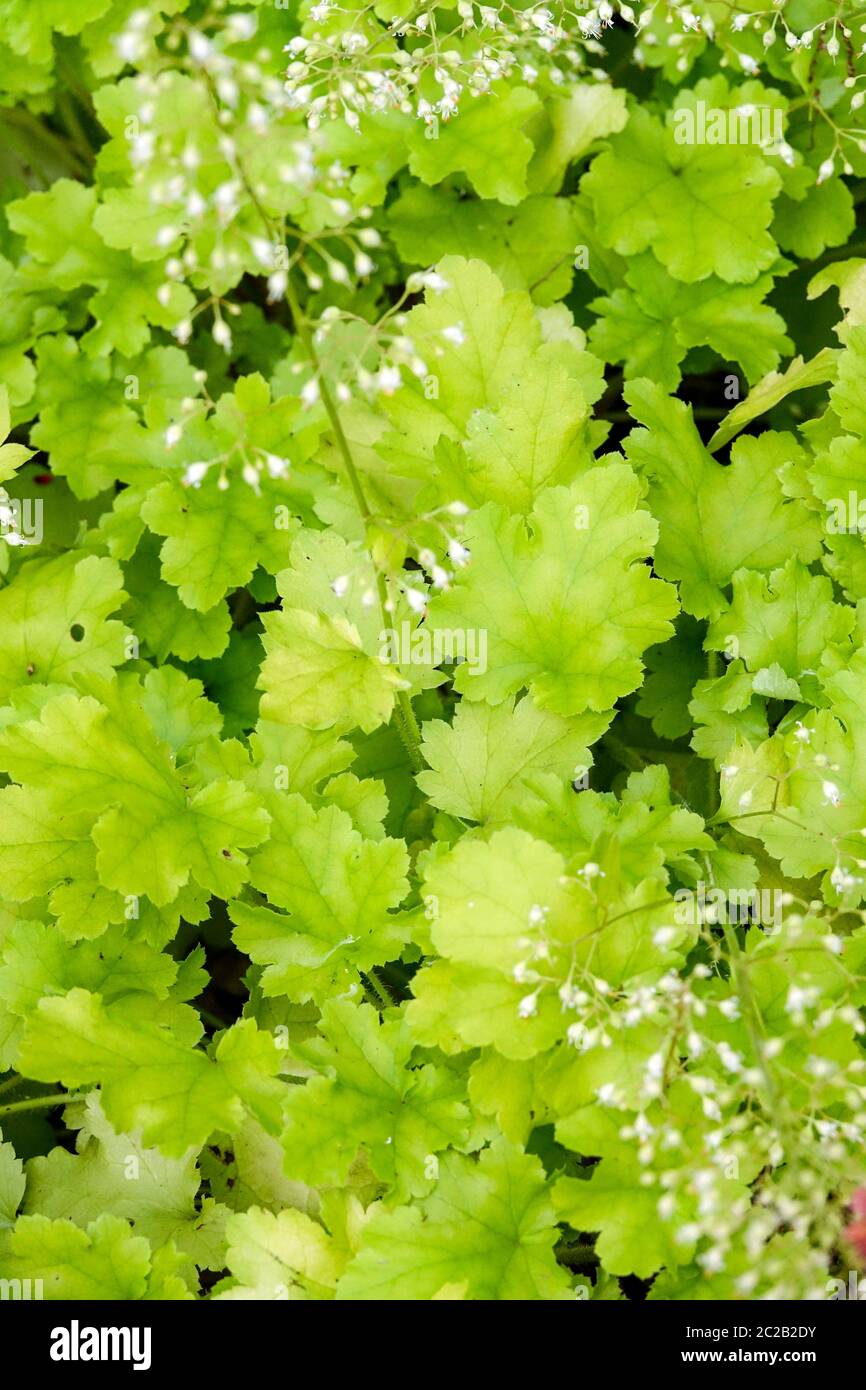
x,y
433,662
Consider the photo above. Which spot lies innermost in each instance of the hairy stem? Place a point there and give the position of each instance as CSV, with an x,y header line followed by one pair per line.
x,y
40,1102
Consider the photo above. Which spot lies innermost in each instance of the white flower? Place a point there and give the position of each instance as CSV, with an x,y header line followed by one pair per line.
x,y
729,1059
825,170
257,117
388,379
338,272
663,936
832,794
222,334
415,599
277,467
426,280
193,474
799,999
340,585
226,198
200,47
655,1066
228,90
528,1006
454,334
278,283
128,46
310,391
195,204
143,148
242,26
173,435
263,250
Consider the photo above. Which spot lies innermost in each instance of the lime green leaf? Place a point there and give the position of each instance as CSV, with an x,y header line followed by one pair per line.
x,y
530,247
786,618
772,389
754,525
488,1224
283,1255
367,1097
646,188
115,1172
478,764
338,889
572,124
652,325
473,144
107,1261
152,1077
150,831
12,1183
566,607
56,625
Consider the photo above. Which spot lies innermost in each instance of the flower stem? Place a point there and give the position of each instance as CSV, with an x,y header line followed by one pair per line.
x,y
40,1102
406,723
712,775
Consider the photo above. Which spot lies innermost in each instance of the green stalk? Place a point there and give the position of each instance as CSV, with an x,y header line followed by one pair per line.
x,y
712,775
377,988
406,723
751,1017
77,134
38,142
40,1102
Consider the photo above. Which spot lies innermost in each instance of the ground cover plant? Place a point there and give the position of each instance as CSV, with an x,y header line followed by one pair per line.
x,y
433,675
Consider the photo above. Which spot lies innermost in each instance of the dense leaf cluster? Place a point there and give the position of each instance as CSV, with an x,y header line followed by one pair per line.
x,y
433,675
